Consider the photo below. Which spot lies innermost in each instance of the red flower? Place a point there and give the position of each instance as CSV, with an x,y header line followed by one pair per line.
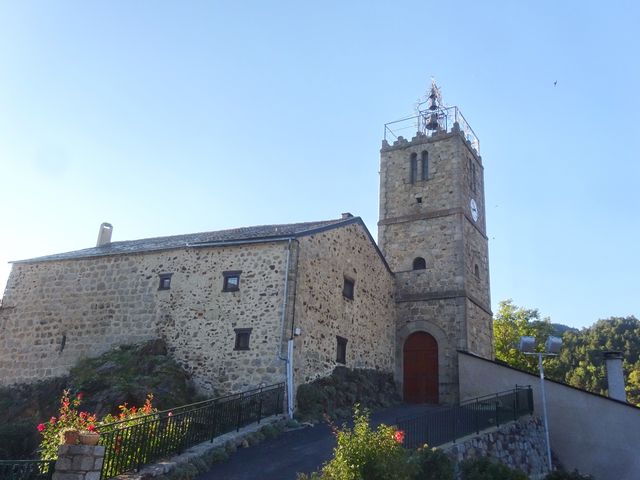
x,y
52,420
41,427
80,395
91,428
399,436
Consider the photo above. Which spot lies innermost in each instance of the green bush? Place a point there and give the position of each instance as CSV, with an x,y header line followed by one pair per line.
x,y
366,454
218,455
562,475
269,431
483,468
433,465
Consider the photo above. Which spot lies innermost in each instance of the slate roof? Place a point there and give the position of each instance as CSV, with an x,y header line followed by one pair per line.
x,y
262,233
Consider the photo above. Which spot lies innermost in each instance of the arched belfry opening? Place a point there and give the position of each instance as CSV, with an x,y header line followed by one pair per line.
x,y
420,368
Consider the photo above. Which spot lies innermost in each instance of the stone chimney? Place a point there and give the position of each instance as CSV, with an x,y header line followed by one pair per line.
x,y
104,235
347,215
615,376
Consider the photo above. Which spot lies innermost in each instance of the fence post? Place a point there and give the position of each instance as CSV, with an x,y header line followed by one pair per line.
x,y
497,414
260,405
239,412
477,415
278,399
214,421
453,417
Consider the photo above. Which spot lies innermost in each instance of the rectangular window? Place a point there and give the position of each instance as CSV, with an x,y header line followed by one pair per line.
x,y
165,281
231,281
341,350
348,288
242,338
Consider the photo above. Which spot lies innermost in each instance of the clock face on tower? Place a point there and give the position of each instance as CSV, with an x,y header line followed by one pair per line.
x,y
474,210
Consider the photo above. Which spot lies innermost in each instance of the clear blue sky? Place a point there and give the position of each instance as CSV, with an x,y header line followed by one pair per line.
x,y
175,117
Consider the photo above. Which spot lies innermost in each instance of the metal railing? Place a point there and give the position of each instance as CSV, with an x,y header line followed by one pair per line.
x,y
426,121
26,469
131,444
447,425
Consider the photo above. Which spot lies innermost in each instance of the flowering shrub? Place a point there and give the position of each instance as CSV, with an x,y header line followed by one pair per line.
x,y
69,418
365,454
128,415
433,464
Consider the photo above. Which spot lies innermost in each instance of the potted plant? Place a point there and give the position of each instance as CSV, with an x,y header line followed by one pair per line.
x,y
69,436
89,437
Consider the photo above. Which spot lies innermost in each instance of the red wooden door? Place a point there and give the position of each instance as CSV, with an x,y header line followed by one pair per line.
x,y
421,368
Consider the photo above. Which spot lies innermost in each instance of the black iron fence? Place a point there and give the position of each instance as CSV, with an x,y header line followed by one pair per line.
x,y
26,469
131,444
449,424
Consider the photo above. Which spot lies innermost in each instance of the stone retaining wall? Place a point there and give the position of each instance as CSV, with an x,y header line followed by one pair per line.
x,y
519,444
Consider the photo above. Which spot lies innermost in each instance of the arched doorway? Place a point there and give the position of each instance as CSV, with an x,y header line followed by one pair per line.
x,y
420,364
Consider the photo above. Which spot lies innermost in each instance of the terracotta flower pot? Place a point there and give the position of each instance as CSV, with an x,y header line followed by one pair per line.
x,y
89,438
71,437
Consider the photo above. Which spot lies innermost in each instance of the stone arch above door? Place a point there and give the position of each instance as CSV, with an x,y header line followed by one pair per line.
x,y
403,333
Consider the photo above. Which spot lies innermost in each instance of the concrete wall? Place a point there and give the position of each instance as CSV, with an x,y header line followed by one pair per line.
x,y
322,312
594,434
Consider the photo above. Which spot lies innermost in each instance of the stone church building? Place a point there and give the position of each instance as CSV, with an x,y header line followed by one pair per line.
x,y
285,303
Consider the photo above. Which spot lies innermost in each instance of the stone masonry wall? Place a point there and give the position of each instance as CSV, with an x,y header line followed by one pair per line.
x,y
79,462
431,218
322,312
519,444
441,318
57,312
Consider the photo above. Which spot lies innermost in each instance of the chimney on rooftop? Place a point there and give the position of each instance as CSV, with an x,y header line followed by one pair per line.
x,y
104,235
347,215
615,376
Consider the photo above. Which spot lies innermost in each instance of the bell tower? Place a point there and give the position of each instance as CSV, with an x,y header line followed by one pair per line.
x,y
432,231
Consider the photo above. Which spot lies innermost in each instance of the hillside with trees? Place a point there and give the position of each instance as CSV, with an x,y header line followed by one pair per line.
x,y
581,362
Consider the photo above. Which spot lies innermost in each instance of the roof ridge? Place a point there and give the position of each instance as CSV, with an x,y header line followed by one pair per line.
x,y
169,242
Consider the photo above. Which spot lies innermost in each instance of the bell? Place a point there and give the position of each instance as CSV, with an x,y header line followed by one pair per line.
x,y
433,122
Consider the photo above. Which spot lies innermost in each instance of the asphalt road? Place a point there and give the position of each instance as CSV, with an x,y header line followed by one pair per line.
x,y
303,450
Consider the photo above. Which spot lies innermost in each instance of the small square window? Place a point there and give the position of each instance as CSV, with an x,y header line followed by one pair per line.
x,y
231,281
419,199
242,338
165,281
348,288
341,350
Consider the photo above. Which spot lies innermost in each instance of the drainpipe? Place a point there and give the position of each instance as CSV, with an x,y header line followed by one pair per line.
x,y
289,358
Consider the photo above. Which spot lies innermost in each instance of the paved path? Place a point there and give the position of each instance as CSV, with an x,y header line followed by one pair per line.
x,y
303,450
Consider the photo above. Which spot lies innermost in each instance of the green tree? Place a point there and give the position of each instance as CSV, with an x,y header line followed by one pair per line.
x,y
581,361
512,322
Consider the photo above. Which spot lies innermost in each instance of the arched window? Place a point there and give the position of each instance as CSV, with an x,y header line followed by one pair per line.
x,y
425,166
476,271
414,167
419,263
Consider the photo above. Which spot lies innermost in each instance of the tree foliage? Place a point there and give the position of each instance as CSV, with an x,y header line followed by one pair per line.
x,y
512,322
580,362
